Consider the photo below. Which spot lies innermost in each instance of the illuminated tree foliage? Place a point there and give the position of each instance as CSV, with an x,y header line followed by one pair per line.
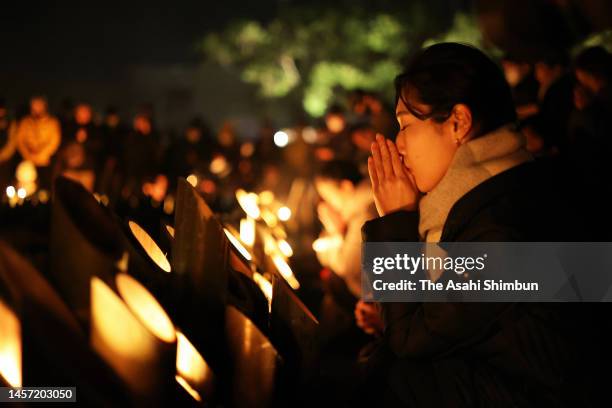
x,y
322,53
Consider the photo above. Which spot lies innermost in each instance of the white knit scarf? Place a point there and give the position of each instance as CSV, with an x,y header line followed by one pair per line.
x,y
474,162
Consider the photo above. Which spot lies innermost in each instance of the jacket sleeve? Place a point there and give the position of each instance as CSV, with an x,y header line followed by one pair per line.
x,y
399,226
421,330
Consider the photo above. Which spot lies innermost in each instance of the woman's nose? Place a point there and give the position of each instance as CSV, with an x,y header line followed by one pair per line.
x,y
401,148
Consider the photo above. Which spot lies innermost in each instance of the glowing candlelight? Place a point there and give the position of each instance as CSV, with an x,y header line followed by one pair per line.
x,y
236,243
21,193
142,303
285,248
170,230
10,192
219,165
284,213
133,335
270,244
247,231
192,179
269,218
266,197
169,204
10,346
183,383
264,285
324,243
281,138
248,202
150,247
191,368
43,196
285,270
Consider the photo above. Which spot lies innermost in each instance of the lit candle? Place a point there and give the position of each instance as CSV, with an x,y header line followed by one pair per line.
x,y
248,202
10,347
284,213
247,231
133,334
285,270
285,248
265,286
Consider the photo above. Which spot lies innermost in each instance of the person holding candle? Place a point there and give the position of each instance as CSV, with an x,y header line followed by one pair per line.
x,y
458,171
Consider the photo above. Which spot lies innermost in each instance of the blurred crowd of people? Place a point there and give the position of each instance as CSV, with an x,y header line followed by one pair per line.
x,y
135,164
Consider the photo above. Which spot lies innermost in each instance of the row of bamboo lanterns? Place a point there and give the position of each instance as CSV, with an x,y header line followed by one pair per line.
x,y
120,289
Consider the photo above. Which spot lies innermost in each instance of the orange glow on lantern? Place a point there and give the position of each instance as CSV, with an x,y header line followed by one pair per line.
x,y
10,347
150,247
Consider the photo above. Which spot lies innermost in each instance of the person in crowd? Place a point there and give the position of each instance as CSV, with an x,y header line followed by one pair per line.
x,y
346,204
589,142
337,144
141,155
38,137
82,130
555,96
113,134
7,145
519,74
362,136
38,134
370,111
191,153
459,172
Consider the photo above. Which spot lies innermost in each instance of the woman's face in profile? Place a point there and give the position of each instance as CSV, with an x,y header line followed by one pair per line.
x,y
427,147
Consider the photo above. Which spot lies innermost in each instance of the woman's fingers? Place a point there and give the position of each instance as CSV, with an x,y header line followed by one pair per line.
x,y
396,162
378,165
385,156
372,172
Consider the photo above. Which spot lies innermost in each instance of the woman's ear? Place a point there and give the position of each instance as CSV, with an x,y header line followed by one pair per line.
x,y
461,118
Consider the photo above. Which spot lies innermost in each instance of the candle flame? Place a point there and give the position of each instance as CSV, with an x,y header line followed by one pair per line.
x,y
247,231
284,213
285,270
10,346
285,248
264,285
248,202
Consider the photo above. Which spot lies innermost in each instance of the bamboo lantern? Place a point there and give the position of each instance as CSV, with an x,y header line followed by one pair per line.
x,y
84,242
35,322
166,236
149,264
255,362
294,328
134,335
200,259
192,371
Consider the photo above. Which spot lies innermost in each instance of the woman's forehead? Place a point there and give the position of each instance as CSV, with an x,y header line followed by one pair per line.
x,y
402,109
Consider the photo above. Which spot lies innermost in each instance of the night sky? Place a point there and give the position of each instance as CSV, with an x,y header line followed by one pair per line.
x,y
93,51
97,35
